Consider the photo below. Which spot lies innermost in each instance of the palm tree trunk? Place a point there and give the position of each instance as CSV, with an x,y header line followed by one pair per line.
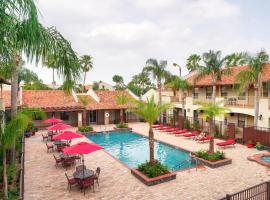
x,y
53,83
214,92
183,102
5,182
159,98
84,78
14,98
211,143
151,146
256,114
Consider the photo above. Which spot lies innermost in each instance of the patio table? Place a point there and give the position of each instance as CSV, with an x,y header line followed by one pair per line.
x,y
67,156
60,142
87,173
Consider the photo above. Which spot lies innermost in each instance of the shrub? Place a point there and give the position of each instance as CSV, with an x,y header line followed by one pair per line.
x,y
218,155
122,125
196,126
259,146
157,169
187,124
85,129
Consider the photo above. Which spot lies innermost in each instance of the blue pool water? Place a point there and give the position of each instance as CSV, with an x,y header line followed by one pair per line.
x,y
133,149
266,158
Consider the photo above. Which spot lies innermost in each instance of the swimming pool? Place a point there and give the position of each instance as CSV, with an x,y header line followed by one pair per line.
x,y
133,149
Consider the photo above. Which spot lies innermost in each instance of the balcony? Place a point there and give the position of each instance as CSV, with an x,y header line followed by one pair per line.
x,y
175,99
201,98
239,101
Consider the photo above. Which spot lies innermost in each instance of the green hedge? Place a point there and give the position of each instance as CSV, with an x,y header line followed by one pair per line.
x,y
85,129
218,155
153,171
122,125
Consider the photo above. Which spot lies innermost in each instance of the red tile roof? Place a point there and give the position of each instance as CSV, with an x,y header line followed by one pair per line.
x,y
108,100
50,100
228,79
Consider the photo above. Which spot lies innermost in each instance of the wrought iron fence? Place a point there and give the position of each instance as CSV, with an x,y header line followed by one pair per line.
x,y
22,160
257,192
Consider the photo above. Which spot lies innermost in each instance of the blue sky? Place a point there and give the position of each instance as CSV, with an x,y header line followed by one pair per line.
x,y
122,34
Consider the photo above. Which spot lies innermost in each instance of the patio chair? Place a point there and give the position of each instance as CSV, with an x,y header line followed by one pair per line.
x,y
96,176
71,181
80,167
183,131
49,147
88,182
68,162
57,160
44,137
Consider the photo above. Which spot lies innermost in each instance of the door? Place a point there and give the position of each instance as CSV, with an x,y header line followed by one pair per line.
x,y
93,117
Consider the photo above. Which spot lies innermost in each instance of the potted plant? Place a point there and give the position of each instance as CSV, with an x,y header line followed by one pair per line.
x,y
259,146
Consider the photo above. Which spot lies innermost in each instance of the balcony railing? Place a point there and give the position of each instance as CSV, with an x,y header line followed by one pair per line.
x,y
239,101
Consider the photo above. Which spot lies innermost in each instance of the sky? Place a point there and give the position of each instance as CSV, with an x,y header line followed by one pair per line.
x,y
121,35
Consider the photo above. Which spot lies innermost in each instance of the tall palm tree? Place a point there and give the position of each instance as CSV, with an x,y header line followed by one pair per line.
x,y
177,84
122,99
159,73
150,111
253,77
210,111
87,64
213,64
11,132
51,64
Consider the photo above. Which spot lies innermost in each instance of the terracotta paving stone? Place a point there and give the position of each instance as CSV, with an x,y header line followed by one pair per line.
x,y
44,181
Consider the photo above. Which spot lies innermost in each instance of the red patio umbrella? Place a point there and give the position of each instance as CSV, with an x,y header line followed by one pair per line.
x,y
82,148
52,120
67,135
58,127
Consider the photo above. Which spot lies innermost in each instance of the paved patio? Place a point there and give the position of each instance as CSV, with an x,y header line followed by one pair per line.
x,y
44,181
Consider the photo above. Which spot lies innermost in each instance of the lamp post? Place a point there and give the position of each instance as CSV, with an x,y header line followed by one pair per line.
x,y
176,65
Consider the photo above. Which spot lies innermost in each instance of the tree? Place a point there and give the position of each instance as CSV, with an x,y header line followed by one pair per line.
x,y
95,86
150,111
176,83
159,73
214,65
87,64
122,100
140,83
51,64
21,33
11,132
253,77
210,111
119,82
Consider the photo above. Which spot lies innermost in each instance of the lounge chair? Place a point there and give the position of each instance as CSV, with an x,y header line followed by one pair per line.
x,y
157,125
164,127
171,130
71,181
204,139
183,131
228,142
191,135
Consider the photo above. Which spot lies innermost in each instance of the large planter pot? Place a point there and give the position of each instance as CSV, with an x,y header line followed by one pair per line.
x,y
122,129
214,164
153,181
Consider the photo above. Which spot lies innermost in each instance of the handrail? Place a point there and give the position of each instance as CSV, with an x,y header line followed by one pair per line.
x,y
22,166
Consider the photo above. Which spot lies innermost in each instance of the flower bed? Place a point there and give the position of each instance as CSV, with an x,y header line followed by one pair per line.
x,y
86,129
122,126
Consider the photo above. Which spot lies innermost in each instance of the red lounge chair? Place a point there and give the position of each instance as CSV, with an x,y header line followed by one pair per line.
x,y
172,130
204,139
193,134
180,132
164,128
157,125
226,143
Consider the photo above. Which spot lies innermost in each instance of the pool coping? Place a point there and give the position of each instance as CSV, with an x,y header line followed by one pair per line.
x,y
198,165
258,158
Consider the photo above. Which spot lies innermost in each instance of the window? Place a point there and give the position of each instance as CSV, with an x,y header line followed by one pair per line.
x,y
224,92
93,116
195,93
64,116
209,91
242,96
241,123
265,90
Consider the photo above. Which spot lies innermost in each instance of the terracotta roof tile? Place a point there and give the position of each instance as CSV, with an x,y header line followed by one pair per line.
x,y
228,79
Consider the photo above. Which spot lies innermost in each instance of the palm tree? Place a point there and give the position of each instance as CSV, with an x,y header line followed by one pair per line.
x,y
159,73
214,65
150,111
177,84
210,111
87,64
11,132
122,99
253,77
119,82
51,64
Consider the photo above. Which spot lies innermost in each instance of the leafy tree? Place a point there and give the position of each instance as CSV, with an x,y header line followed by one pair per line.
x,y
210,111
150,111
95,86
87,64
119,82
176,83
253,77
159,73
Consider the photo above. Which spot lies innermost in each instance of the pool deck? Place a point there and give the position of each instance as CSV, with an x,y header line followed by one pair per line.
x,y
44,181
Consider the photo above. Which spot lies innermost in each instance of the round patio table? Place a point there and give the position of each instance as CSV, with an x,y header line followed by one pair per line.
x,y
67,156
59,142
87,173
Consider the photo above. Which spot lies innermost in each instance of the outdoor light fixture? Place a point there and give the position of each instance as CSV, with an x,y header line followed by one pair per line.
x,y
260,117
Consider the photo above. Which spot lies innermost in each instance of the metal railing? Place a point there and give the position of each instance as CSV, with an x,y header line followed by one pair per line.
x,y
257,192
239,101
22,167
